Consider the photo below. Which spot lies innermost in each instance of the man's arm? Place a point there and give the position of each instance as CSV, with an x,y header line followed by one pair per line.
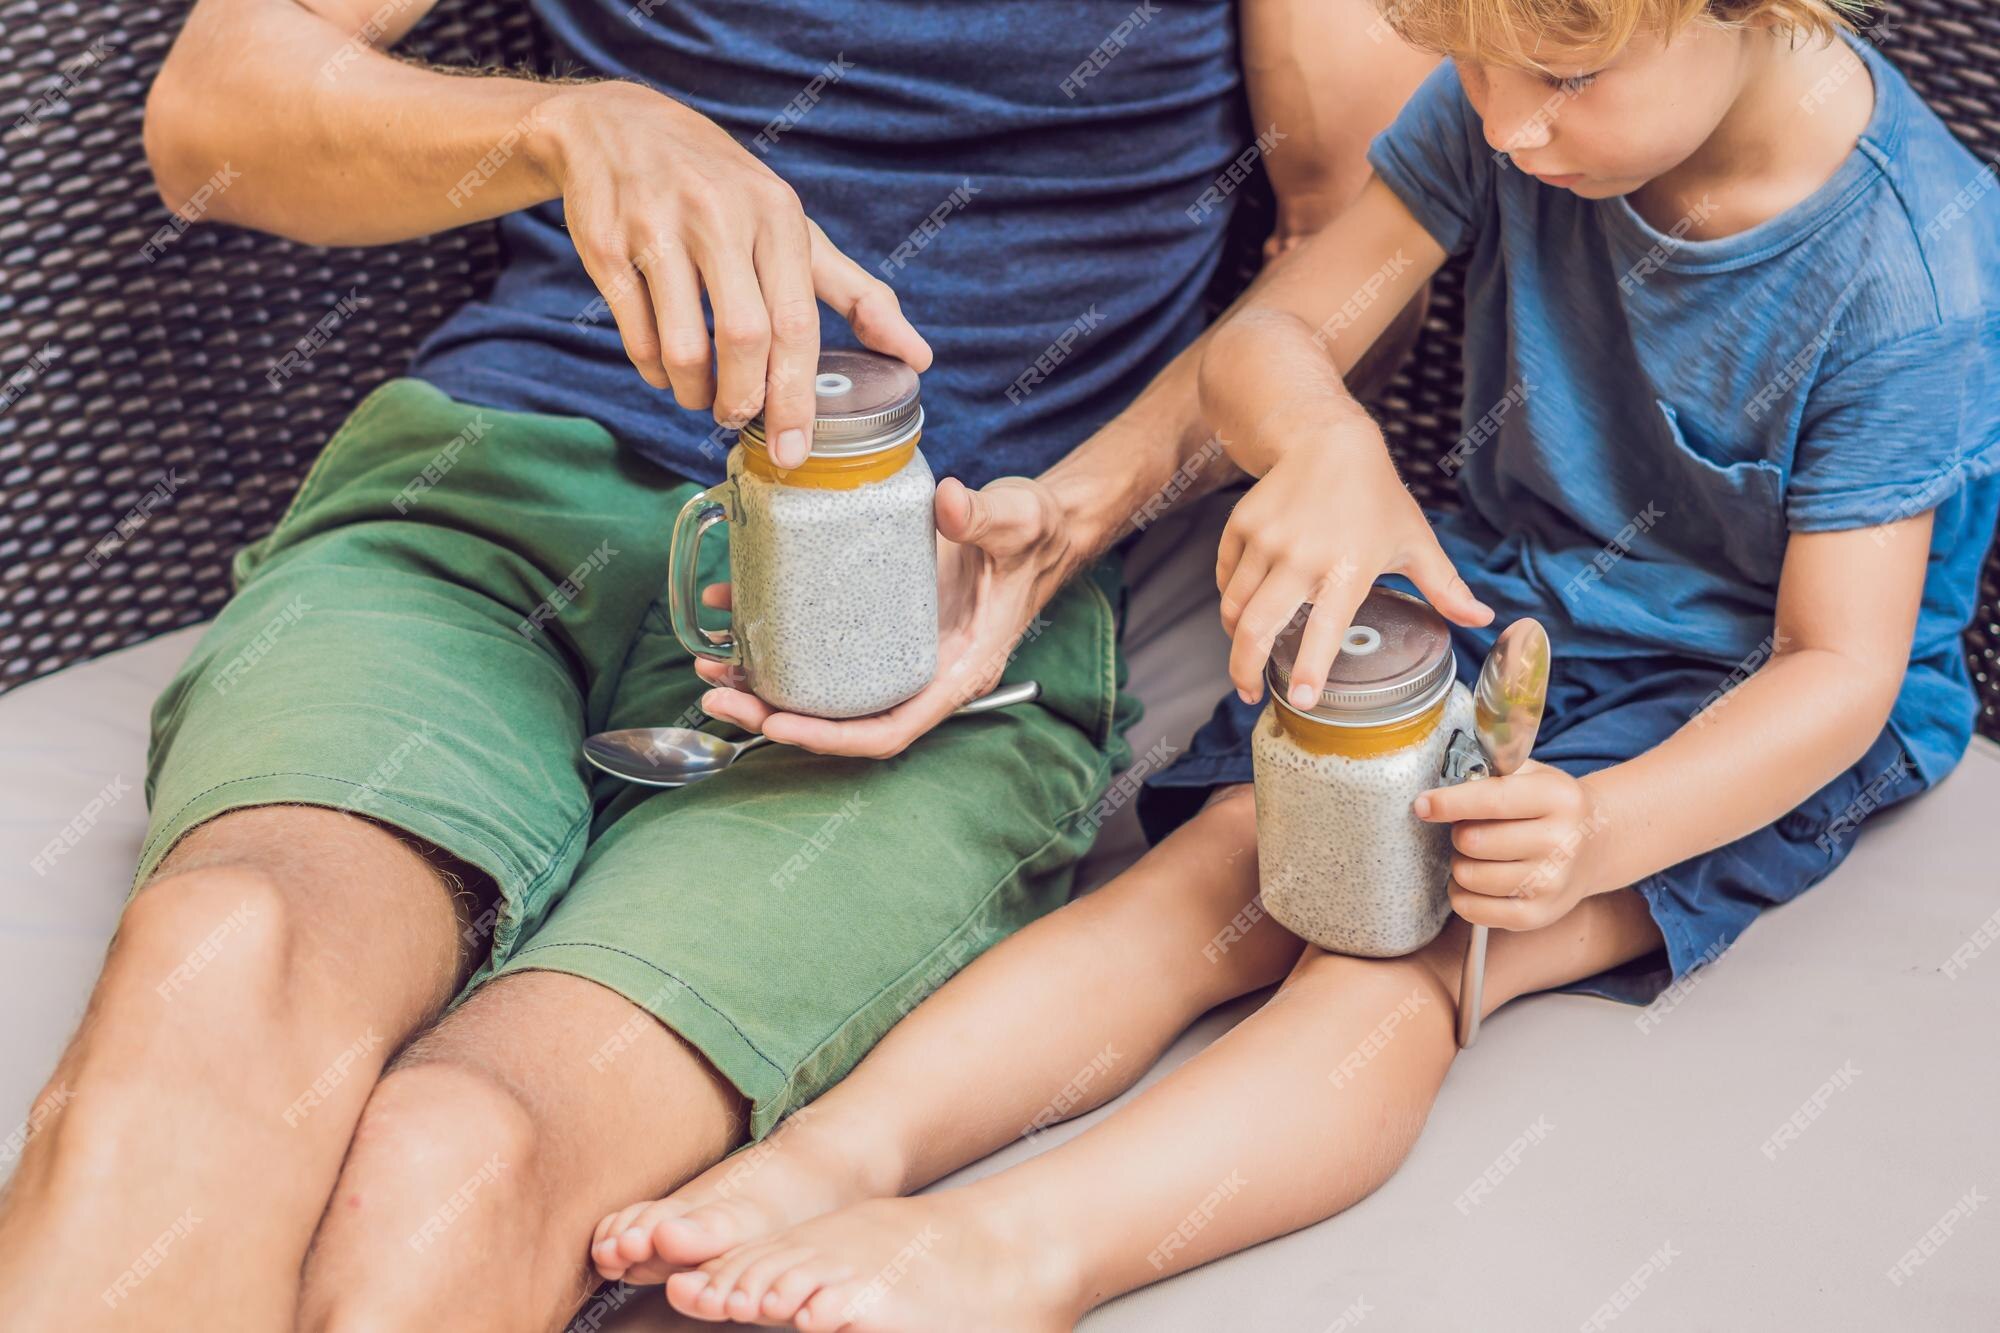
x,y
1331,75
324,138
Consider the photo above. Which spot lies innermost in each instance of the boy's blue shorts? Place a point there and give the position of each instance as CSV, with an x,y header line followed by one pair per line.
x,y
1603,711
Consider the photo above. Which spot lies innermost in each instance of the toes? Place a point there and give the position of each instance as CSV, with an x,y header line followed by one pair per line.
x,y
724,1276
831,1307
793,1286
697,1236
746,1303
684,1291
605,1251
703,1293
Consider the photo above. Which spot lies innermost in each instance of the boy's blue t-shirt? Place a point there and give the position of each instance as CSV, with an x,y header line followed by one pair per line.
x,y
1038,180
1648,418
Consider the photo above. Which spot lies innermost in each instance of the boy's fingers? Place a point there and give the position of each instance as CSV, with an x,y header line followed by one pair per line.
x,y
1320,643
1488,879
1248,575
1498,913
1516,796
1270,610
1438,580
1500,839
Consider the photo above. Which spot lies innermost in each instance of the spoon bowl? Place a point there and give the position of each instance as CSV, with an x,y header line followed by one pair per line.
x,y
676,756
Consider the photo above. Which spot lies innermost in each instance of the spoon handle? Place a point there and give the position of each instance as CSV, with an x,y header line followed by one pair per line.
x,y
1472,988
1025,692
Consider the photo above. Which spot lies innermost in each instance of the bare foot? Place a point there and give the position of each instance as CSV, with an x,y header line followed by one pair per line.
x,y
937,1264
807,1166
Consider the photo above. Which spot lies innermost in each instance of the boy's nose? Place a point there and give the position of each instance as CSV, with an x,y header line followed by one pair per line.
x,y
1516,113
1518,127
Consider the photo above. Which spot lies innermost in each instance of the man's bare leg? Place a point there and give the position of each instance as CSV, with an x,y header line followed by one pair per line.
x,y
1058,1019
1334,1107
491,1146
253,990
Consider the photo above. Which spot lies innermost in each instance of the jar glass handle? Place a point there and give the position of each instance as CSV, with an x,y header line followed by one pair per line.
x,y
701,512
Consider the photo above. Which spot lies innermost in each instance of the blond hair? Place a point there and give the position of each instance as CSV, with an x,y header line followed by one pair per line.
x,y
1509,32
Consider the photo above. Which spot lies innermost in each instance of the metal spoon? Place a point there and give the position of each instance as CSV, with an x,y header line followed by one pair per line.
x,y
676,756
1506,714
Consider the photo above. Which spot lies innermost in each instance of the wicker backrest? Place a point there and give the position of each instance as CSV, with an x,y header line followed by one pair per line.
x,y
145,436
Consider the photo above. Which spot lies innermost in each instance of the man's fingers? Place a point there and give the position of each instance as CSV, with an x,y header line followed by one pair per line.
x,y
623,288
784,268
742,333
675,293
877,737
868,304
1438,580
735,706
1001,518
719,673
717,596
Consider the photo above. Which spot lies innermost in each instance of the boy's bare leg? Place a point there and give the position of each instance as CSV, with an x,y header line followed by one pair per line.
x,y
254,988
1302,1110
1048,1024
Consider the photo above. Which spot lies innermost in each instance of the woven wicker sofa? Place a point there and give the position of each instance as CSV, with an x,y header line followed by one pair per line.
x,y
144,439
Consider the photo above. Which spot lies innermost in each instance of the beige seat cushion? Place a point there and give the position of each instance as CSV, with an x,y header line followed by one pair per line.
x,y
1650,1134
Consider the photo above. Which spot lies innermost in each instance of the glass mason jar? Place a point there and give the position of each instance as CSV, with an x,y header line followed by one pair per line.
x,y
833,564
1342,860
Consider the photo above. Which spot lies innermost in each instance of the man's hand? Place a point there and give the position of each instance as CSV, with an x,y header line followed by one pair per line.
x,y
1002,552
663,206
1327,519
1521,845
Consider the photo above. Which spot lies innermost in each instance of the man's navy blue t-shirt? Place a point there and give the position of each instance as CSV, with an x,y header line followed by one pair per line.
x,y
1070,145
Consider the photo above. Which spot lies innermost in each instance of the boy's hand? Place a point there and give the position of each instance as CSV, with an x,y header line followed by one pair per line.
x,y
1520,845
1327,519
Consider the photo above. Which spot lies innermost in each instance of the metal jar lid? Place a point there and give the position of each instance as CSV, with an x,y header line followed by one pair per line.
x,y
867,403
1395,661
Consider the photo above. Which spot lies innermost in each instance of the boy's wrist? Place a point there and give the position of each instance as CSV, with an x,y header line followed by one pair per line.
x,y
1323,424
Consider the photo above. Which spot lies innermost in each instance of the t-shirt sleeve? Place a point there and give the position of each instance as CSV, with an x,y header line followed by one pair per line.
x,y
1899,430
1436,160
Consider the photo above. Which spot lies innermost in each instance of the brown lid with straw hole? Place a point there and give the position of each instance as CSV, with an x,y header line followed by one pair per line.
x,y
1395,661
867,402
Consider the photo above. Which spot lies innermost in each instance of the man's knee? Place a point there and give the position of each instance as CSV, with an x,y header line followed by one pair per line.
x,y
208,939
437,1135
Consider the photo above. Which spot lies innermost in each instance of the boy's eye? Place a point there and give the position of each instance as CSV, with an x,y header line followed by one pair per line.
x,y
1573,84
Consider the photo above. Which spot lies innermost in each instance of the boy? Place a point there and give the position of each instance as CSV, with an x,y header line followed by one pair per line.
x,y
1723,267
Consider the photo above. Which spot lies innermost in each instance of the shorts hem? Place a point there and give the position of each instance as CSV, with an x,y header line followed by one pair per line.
x,y
676,1005
517,889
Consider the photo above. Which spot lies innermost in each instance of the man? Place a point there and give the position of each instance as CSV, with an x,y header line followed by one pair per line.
x,y
366,800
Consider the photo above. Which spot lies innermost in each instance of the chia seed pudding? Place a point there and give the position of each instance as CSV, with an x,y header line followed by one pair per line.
x,y
835,591
1341,859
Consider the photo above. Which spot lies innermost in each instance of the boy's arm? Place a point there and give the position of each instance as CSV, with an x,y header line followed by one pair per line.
x,y
1526,849
1329,75
1328,515
1015,541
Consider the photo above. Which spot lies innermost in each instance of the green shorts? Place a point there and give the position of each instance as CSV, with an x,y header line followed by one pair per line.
x,y
458,595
